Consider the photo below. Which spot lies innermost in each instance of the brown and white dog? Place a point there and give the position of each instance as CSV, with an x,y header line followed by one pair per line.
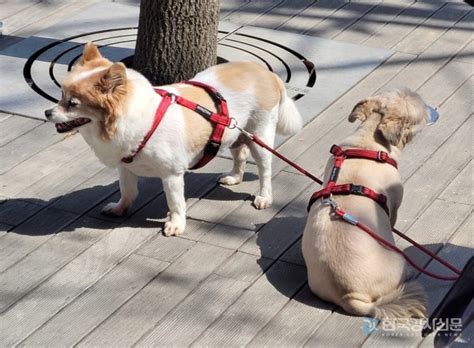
x,y
345,265
113,108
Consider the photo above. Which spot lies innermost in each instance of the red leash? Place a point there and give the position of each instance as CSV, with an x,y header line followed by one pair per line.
x,y
352,220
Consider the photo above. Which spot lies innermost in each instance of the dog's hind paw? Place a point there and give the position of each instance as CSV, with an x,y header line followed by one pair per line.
x,y
228,179
114,209
172,229
261,202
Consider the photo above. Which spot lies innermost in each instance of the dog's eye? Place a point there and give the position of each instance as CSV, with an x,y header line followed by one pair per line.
x,y
72,103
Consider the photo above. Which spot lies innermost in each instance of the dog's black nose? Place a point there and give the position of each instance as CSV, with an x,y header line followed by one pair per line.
x,y
48,113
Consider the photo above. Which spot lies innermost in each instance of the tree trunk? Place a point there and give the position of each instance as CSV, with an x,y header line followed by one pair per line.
x,y
176,39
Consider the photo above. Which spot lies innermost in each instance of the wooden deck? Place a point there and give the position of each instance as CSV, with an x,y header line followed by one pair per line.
x,y
70,276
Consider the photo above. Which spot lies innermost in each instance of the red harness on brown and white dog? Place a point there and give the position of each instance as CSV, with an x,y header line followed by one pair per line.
x,y
352,189
221,120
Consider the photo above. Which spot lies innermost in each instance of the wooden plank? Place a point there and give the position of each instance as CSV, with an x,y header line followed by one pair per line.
x,y
373,21
41,164
466,54
430,30
342,19
252,11
13,7
228,7
13,127
312,16
429,180
458,190
403,24
4,116
451,77
442,219
15,211
140,314
69,282
244,267
226,236
216,207
338,330
60,182
165,249
295,323
192,316
27,145
431,60
255,308
282,231
454,111
281,13
223,199
95,305
294,254
246,216
90,193
60,249
29,235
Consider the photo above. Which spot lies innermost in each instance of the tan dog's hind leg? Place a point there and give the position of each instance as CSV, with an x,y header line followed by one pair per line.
x,y
240,155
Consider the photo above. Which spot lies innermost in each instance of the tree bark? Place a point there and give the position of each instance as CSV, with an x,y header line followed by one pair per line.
x,y
176,39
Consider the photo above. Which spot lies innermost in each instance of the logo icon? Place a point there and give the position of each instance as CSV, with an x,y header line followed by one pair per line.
x,y
369,325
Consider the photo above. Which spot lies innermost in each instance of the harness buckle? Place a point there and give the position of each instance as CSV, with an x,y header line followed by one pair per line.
x,y
173,97
336,150
357,189
382,156
329,201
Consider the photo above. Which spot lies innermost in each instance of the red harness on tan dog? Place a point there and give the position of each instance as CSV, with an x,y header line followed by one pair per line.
x,y
220,120
352,189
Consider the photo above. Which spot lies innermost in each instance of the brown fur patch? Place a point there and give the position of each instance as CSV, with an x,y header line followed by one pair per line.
x,y
104,92
244,76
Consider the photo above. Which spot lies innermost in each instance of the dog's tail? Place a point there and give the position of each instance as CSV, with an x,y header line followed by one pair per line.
x,y
289,118
406,301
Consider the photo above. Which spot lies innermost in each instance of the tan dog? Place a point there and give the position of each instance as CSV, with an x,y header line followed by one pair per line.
x,y
345,265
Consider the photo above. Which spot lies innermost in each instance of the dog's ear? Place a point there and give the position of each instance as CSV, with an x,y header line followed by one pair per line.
x,y
89,53
391,127
113,88
364,109
114,79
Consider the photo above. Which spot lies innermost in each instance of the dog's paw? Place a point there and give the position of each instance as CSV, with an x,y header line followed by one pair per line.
x,y
114,209
228,179
261,202
173,229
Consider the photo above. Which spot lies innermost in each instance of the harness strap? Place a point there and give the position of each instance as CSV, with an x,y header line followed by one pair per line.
x,y
347,189
159,113
379,156
351,189
220,120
